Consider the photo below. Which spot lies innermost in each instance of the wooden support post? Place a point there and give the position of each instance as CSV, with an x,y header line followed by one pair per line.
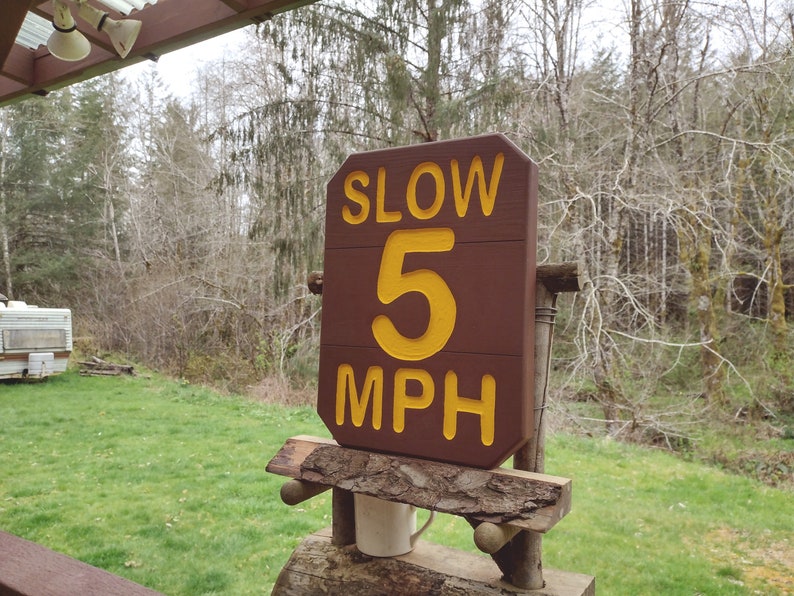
x,y
343,520
521,559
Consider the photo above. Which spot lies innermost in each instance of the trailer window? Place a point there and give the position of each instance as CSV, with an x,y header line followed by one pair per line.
x,y
34,339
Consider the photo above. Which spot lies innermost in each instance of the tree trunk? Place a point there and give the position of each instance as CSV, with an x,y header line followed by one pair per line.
x,y
710,359
4,244
430,79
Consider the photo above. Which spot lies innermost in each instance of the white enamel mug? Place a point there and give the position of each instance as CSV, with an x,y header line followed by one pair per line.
x,y
384,528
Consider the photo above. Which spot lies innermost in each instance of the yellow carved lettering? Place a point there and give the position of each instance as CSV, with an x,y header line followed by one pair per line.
x,y
357,196
434,170
487,192
393,282
381,215
403,401
372,388
485,407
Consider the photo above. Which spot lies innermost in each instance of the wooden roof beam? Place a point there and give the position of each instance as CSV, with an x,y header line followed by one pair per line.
x,y
14,12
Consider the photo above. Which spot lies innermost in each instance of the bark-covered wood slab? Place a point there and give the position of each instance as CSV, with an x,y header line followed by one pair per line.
x,y
501,496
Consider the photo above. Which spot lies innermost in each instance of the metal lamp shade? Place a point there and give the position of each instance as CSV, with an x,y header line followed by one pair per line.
x,y
122,33
66,42
70,46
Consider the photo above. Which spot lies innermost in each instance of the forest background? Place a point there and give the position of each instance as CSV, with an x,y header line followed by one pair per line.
x,y
180,230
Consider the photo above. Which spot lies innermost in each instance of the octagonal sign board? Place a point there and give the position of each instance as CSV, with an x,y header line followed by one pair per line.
x,y
427,340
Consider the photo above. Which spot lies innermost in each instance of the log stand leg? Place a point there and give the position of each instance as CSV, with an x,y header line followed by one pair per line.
x,y
520,560
343,521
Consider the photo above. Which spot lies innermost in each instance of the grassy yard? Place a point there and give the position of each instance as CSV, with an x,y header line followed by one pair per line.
x,y
164,483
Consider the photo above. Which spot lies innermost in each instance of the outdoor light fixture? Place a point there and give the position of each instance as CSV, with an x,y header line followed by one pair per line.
x,y
122,33
67,43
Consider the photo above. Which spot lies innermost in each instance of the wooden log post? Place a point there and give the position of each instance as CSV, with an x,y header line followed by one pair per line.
x,y
521,558
343,518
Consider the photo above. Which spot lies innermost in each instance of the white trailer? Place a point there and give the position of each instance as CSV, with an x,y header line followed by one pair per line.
x,y
34,342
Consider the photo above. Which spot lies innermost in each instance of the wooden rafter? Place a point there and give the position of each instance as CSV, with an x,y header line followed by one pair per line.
x,y
14,12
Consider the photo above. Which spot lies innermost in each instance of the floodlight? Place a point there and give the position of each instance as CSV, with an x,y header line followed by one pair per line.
x,y
66,42
122,33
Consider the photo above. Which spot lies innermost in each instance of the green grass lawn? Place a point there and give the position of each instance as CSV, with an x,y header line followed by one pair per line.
x,y
164,484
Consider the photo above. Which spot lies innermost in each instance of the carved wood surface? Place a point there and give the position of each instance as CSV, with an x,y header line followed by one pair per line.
x,y
524,499
318,567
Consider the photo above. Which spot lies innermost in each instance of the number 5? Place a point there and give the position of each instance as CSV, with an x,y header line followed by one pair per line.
x,y
393,283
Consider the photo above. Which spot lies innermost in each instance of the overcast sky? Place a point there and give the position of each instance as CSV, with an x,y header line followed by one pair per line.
x,y
178,69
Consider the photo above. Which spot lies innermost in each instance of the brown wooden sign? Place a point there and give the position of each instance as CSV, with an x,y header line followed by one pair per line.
x,y
428,301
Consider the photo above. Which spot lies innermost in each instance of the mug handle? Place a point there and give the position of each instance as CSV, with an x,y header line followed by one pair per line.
x,y
415,536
